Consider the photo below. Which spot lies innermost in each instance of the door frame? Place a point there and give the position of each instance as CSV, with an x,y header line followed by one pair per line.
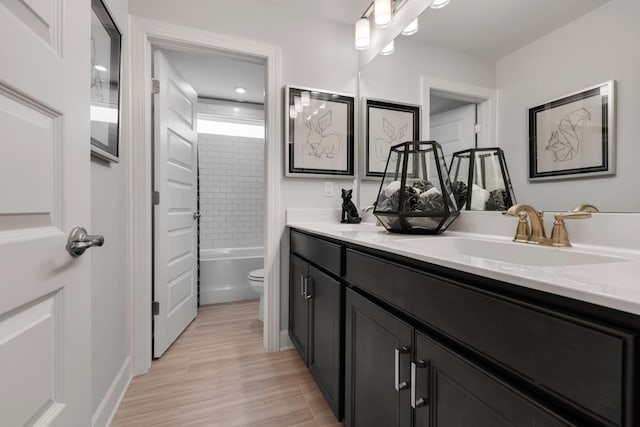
x,y
145,35
486,98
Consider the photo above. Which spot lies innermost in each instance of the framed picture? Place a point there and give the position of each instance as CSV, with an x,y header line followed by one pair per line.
x,y
573,136
387,124
105,83
318,133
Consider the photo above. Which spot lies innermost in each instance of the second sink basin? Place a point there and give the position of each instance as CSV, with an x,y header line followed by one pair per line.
x,y
508,252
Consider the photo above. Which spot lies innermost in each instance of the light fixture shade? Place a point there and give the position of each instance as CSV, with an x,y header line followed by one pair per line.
x,y
292,111
388,49
437,4
297,102
362,34
382,13
480,180
411,29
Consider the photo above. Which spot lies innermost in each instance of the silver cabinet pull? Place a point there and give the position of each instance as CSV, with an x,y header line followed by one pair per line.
x,y
196,215
307,294
416,403
302,285
396,382
79,241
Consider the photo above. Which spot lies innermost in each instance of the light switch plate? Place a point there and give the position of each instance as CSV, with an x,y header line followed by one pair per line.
x,y
328,189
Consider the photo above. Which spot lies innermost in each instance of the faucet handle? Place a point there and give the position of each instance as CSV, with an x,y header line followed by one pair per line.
x,y
523,232
559,234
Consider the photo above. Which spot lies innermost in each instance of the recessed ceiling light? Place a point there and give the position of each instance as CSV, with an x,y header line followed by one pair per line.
x,y
240,89
437,4
100,68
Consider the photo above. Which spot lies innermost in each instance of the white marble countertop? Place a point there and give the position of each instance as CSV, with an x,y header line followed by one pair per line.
x,y
611,281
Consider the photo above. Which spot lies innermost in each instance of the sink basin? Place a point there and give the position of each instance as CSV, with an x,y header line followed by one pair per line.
x,y
503,251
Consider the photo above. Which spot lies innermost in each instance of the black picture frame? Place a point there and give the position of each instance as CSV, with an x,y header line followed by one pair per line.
x,y
574,136
319,133
106,50
387,124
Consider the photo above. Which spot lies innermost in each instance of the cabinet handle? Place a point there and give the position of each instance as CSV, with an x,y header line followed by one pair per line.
x,y
397,384
307,294
416,403
302,292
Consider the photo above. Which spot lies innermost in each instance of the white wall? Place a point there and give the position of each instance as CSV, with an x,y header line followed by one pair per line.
x,y
231,190
397,78
600,46
315,53
110,294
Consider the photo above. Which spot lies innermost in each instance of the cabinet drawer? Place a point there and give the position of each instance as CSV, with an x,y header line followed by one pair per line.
x,y
320,252
585,364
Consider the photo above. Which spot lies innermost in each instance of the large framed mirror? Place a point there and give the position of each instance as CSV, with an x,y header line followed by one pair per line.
x,y
486,63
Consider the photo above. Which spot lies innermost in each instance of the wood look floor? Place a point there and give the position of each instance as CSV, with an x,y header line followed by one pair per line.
x,y
217,374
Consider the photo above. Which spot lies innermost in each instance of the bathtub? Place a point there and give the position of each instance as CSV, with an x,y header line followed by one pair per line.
x,y
223,274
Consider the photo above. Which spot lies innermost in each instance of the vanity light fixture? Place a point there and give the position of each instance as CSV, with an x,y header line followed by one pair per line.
x,y
388,49
241,90
292,111
362,34
297,102
438,4
411,29
382,13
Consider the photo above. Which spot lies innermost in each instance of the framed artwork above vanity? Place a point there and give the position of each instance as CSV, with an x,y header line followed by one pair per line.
x,y
573,136
319,133
387,124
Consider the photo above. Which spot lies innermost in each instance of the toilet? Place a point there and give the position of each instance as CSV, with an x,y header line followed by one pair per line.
x,y
256,281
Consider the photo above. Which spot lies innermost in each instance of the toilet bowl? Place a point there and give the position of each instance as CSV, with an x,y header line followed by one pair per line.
x,y
256,281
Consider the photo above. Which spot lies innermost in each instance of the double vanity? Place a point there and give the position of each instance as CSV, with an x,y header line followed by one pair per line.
x,y
465,329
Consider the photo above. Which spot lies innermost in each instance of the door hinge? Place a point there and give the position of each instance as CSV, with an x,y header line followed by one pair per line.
x,y
477,128
155,308
155,86
156,197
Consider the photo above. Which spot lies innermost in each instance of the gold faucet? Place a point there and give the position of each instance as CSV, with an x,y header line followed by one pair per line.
x,y
536,234
586,207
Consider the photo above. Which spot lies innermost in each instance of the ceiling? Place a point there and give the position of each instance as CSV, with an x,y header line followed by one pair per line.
x,y
495,28
217,75
487,28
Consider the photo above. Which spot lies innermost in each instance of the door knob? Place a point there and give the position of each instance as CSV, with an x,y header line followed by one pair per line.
x,y
79,241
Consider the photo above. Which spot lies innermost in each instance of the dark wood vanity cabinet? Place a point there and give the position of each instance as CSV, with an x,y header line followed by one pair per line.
x,y
397,376
316,321
429,346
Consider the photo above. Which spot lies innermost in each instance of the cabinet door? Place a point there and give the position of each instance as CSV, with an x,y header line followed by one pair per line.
x,y
377,362
298,306
325,341
452,391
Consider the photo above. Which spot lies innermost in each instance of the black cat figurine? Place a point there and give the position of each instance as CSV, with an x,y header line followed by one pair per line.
x,y
349,211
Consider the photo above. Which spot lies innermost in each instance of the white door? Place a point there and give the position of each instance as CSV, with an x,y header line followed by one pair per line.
x,y
45,293
454,130
175,178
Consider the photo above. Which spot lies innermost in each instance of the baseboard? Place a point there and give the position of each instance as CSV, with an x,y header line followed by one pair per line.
x,y
217,296
111,401
285,342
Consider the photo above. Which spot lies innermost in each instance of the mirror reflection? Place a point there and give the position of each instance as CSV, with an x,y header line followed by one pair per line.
x,y
475,68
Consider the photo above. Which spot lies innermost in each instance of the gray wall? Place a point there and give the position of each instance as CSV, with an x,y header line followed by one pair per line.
x,y
110,294
600,46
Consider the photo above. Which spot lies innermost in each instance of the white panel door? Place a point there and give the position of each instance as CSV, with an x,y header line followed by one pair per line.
x,y
175,178
453,130
45,293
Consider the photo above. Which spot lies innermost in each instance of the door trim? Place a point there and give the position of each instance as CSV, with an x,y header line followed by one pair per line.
x,y
486,98
144,35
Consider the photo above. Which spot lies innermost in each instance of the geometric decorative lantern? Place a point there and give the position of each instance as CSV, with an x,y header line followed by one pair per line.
x,y
415,195
480,180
